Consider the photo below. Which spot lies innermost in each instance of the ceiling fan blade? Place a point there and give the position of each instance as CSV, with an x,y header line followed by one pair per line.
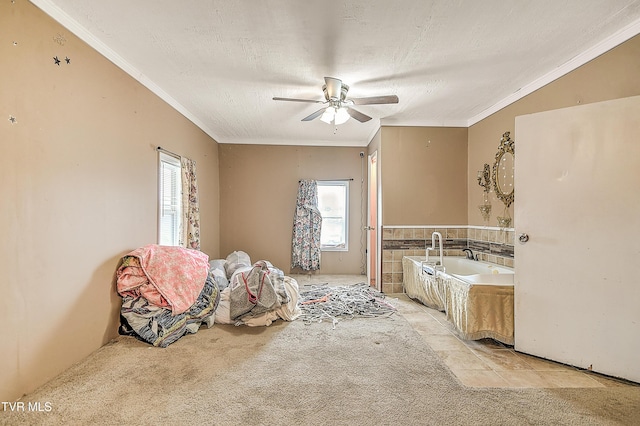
x,y
315,115
299,100
334,87
389,99
358,115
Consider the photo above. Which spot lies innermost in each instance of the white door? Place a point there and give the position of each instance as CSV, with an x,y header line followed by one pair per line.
x,y
372,223
577,196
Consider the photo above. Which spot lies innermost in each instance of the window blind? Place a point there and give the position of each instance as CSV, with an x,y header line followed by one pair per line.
x,y
170,197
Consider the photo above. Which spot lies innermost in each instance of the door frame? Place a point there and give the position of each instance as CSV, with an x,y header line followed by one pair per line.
x,y
373,221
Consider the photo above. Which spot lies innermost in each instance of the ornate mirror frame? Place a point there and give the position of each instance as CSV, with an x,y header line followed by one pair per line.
x,y
507,146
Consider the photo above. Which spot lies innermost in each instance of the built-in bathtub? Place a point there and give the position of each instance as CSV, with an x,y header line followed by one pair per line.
x,y
468,270
477,297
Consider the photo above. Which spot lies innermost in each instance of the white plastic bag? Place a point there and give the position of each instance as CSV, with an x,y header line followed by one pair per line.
x,y
236,260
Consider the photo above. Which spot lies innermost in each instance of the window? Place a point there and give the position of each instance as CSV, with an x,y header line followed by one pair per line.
x,y
333,203
170,201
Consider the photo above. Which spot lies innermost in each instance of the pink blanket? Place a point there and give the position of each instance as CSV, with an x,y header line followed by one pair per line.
x,y
170,277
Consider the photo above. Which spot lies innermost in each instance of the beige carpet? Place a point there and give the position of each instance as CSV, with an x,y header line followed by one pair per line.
x,y
363,372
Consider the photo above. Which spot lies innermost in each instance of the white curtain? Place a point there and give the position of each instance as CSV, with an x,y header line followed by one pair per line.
x,y
190,237
307,225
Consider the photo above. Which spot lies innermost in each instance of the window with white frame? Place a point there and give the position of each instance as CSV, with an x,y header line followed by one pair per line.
x,y
333,203
169,200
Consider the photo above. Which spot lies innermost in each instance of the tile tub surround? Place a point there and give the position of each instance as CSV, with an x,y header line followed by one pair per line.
x,y
493,244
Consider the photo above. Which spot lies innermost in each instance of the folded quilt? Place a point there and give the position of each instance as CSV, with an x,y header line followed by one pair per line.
x,y
166,276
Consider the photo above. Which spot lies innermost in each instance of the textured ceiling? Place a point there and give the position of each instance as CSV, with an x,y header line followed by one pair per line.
x,y
451,63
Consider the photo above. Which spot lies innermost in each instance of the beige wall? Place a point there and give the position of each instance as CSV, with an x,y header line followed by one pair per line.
x,y
258,188
78,178
424,175
610,76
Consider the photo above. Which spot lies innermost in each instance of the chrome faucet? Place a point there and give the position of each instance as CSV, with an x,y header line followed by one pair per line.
x,y
469,253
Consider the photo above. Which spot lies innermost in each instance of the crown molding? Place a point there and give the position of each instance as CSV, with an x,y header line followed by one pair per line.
x,y
83,34
605,45
422,123
295,142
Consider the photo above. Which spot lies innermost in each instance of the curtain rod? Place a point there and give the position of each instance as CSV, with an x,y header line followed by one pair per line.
x,y
325,180
168,152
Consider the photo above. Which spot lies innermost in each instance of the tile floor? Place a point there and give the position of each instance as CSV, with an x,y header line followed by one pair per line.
x,y
478,363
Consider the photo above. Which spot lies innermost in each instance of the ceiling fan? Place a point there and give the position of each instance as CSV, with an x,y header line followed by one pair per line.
x,y
339,107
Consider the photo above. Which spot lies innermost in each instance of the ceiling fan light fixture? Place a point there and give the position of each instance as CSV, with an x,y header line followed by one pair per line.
x,y
328,115
339,106
342,115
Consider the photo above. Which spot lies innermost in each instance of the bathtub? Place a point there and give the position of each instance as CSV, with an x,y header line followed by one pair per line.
x,y
471,271
477,297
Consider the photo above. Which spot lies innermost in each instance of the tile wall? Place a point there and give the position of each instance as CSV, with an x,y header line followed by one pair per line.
x,y
492,244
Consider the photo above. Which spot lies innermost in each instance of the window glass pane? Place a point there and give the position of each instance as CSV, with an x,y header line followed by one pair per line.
x,y
170,201
332,232
333,206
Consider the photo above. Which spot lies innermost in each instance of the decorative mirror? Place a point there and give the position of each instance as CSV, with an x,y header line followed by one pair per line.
x,y
502,173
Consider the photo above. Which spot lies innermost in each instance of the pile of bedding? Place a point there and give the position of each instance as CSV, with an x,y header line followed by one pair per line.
x,y
257,294
168,292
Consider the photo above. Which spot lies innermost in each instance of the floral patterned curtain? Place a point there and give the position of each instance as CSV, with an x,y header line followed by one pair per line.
x,y
190,237
307,224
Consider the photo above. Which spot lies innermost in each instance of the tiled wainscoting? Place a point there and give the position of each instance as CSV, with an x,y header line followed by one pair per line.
x,y
494,245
